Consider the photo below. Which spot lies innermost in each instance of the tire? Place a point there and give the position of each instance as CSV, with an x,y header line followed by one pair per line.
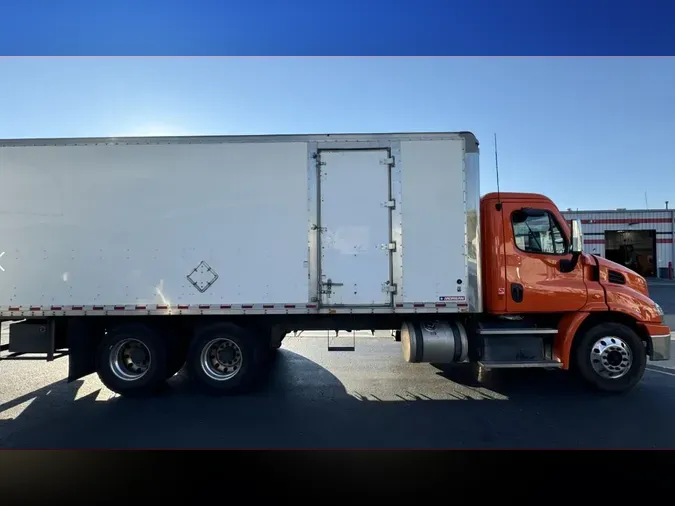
x,y
120,348
242,363
175,361
176,355
611,357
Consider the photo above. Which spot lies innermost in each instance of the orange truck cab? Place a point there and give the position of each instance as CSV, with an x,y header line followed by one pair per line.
x,y
537,278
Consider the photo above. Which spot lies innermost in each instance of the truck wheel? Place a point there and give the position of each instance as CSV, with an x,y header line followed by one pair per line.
x,y
132,360
226,359
611,357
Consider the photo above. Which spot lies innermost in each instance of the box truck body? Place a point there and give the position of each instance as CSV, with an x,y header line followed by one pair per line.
x,y
285,224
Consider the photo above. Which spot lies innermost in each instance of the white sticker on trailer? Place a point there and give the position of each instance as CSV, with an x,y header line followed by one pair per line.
x,y
452,298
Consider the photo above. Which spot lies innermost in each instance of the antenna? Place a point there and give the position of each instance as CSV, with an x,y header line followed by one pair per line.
x,y
646,203
499,197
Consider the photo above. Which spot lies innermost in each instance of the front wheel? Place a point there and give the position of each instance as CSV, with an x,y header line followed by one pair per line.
x,y
611,357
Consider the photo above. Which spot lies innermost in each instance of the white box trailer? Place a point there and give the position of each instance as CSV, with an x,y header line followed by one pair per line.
x,y
299,231
235,225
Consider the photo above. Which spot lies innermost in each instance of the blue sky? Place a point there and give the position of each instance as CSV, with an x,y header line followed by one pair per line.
x,y
588,132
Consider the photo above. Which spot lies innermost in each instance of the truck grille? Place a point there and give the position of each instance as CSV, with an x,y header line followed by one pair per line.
x,y
616,277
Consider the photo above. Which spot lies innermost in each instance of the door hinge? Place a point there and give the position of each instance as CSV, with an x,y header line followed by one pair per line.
x,y
391,204
388,161
389,287
317,158
389,246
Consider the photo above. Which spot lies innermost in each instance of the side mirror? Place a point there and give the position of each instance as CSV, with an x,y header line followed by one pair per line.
x,y
577,245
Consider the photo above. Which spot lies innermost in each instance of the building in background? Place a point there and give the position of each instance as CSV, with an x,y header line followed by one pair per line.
x,y
640,239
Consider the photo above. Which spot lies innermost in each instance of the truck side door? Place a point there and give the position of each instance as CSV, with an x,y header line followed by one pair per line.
x,y
535,243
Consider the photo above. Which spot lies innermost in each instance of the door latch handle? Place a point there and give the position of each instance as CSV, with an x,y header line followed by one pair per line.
x,y
331,283
517,292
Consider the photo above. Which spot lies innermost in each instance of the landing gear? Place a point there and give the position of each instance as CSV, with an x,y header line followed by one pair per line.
x,y
611,357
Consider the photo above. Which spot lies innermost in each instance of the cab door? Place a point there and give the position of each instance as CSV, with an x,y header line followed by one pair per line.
x,y
535,243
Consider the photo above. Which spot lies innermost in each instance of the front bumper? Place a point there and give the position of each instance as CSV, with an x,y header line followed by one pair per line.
x,y
661,342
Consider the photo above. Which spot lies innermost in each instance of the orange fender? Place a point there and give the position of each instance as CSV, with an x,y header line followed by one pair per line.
x,y
567,329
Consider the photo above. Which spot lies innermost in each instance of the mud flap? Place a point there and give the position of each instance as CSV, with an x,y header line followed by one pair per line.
x,y
83,339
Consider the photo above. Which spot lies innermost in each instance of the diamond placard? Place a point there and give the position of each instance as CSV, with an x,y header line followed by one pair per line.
x,y
202,277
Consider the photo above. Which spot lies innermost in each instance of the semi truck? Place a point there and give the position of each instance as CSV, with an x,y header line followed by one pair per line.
x,y
139,257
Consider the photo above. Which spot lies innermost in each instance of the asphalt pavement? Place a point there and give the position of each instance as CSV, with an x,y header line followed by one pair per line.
x,y
314,398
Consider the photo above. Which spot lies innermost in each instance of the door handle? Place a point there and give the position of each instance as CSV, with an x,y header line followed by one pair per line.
x,y
517,292
331,283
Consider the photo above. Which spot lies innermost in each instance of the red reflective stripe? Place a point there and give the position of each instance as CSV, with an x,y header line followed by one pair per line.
x,y
56,308
289,306
119,308
35,308
247,306
440,304
183,306
268,306
78,308
225,306
418,304
311,306
98,308
15,308
205,306
140,307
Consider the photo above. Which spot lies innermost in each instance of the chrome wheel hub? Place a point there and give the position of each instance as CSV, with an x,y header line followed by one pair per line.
x,y
129,359
611,357
221,359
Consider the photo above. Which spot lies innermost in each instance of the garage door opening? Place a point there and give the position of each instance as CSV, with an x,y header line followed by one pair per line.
x,y
636,249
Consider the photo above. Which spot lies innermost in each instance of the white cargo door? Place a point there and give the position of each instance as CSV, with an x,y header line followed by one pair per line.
x,y
355,231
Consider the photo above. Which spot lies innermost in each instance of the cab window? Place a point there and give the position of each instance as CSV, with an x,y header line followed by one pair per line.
x,y
538,232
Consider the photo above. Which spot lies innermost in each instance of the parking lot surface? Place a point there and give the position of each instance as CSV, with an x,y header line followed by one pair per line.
x,y
313,398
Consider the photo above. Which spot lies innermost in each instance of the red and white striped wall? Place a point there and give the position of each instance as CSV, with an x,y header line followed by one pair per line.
x,y
596,223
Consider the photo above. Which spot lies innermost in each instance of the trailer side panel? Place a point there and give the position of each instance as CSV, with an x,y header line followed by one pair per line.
x,y
434,221
102,226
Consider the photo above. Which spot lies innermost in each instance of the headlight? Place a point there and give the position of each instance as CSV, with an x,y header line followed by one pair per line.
x,y
659,310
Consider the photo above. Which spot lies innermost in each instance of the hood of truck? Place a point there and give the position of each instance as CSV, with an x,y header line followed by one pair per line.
x,y
633,279
627,292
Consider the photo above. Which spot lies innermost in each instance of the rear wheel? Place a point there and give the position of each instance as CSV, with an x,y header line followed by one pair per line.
x,y
226,359
132,360
611,357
